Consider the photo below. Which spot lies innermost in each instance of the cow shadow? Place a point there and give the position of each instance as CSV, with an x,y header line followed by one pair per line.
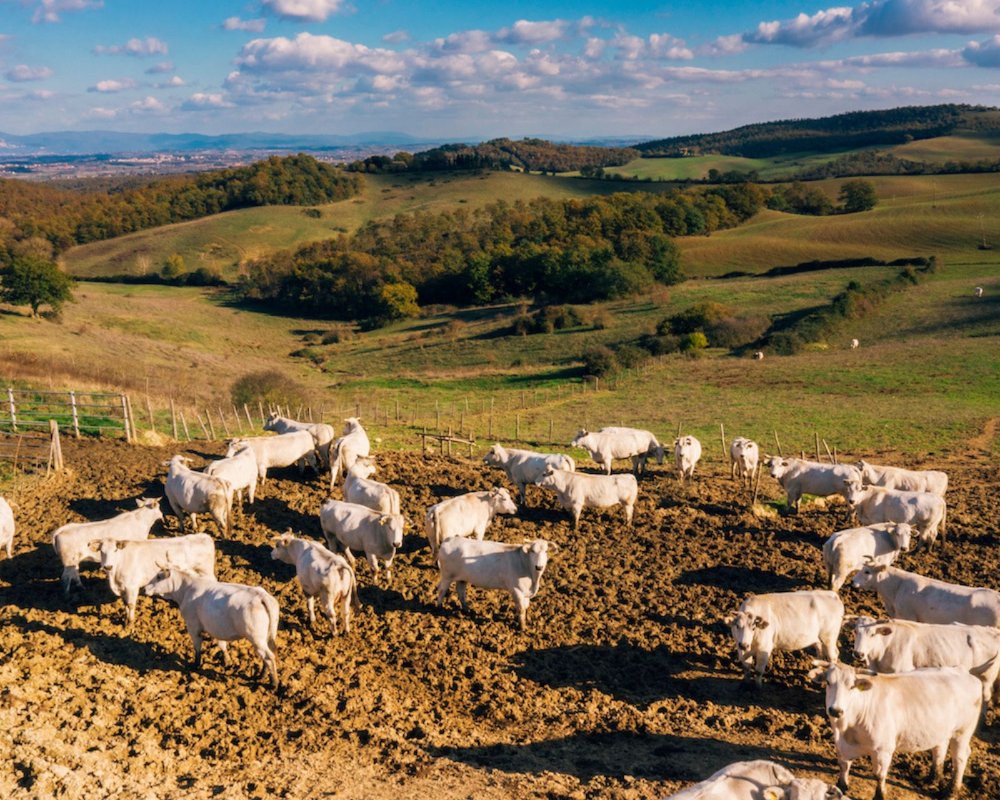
x,y
616,754
275,513
94,509
726,576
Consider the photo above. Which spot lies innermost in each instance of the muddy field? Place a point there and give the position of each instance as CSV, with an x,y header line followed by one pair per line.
x,y
622,688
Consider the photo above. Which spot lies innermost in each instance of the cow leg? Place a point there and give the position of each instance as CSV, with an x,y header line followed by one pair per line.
x,y
575,513
345,611
880,762
70,575
461,588
829,649
388,569
845,773
938,754
195,633
960,751
327,600
311,606
373,563
522,489
224,651
131,597
629,510
443,586
177,512
760,666
521,601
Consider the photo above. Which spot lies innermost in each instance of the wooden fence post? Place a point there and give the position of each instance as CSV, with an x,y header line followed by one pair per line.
x,y
491,420
225,425
128,428
550,430
173,420
211,427
202,423
517,427
55,446
13,410
184,424
76,418
239,422
722,432
816,434
149,413
778,443
246,411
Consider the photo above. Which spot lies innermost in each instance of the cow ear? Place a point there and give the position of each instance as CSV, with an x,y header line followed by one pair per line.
x,y
729,619
526,547
817,674
774,793
883,631
760,622
863,684
120,545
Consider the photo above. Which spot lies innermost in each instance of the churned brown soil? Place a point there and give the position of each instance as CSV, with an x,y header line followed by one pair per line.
x,y
622,688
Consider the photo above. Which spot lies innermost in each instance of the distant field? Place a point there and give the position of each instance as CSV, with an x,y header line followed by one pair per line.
x,y
697,167
960,147
220,242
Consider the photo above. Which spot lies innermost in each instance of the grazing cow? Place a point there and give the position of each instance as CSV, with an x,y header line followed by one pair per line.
x,y
907,595
6,526
687,452
785,621
910,712
798,476
906,480
348,448
515,568
758,355
240,470
577,491
322,433
979,291
757,780
610,443
465,515
283,450
925,512
78,542
847,551
190,492
364,492
525,466
743,458
321,574
348,526
225,611
130,565
855,344
896,645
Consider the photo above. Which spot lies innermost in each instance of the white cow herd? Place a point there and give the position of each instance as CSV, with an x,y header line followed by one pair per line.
x,y
930,667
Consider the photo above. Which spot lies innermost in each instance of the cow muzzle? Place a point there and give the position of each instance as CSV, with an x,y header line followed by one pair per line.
x,y
861,658
835,712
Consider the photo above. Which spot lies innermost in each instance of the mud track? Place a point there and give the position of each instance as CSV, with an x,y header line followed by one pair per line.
x,y
622,688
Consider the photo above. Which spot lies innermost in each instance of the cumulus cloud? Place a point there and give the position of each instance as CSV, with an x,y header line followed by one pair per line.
x,y
395,37
112,86
148,105
161,68
303,10
983,54
49,10
202,101
22,73
174,82
526,32
248,25
139,48
724,46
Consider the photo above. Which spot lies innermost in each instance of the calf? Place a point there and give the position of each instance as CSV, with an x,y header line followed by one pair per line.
x,y
348,526
577,491
907,480
348,448
847,551
78,542
190,492
321,574
526,466
467,514
130,565
798,476
896,645
6,526
873,504
225,611
371,494
240,470
757,780
687,452
515,568
610,443
785,621
907,595
880,715
744,456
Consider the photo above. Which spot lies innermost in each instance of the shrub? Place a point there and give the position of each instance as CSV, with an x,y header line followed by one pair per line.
x,y
339,334
310,353
695,318
600,319
599,361
660,345
694,341
267,386
630,355
736,331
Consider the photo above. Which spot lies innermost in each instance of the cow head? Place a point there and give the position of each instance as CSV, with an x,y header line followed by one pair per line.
x,y
495,456
854,490
280,551
870,575
147,502
578,439
658,453
842,687
871,638
537,556
110,551
777,466
392,525
352,424
233,446
177,463
902,536
166,582
501,501
363,467
273,419
745,627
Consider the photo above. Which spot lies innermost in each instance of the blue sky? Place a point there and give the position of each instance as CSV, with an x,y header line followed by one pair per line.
x,y
468,71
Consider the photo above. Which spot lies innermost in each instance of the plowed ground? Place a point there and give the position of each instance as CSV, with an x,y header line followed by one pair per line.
x,y
622,688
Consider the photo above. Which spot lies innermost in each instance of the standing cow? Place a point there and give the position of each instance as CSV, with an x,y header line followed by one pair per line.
x,y
193,493
6,526
847,551
610,443
322,574
348,526
687,453
322,433
577,491
360,489
744,456
525,466
906,480
467,514
798,476
925,512
348,448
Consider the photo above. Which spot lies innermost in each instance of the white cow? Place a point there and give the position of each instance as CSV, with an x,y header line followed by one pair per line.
x,y
758,355
757,780
576,491
190,492
240,470
525,466
743,458
785,621
979,291
855,344
130,565
925,512
322,433
910,712
515,568
6,526
907,595
322,574
847,551
283,450
467,514
610,443
225,611
897,645
348,526
78,542
348,448
798,476
687,453
907,480
364,492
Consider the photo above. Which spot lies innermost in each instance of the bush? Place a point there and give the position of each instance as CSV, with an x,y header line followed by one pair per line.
x,y
736,331
694,341
695,318
600,319
599,361
310,353
269,387
660,345
630,356
342,333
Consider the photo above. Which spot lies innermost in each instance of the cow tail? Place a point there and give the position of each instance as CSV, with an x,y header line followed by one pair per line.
x,y
569,464
335,463
271,608
944,525
221,503
355,599
431,528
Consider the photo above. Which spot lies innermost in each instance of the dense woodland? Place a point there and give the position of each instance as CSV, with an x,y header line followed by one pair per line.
x,y
840,132
550,250
42,220
534,155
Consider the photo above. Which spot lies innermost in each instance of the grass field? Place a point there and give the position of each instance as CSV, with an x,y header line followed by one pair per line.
x,y
697,167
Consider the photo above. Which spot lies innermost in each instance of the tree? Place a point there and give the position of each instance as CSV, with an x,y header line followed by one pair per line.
x,y
857,195
398,300
173,267
35,282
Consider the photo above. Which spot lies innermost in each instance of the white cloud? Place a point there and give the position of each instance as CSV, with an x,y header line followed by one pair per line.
x,y
112,86
983,54
474,41
22,73
317,54
100,112
139,48
526,32
303,10
396,37
148,105
202,101
663,45
724,46
49,10
174,82
248,25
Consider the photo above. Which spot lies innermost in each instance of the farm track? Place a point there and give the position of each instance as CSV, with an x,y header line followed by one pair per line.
x,y
622,688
